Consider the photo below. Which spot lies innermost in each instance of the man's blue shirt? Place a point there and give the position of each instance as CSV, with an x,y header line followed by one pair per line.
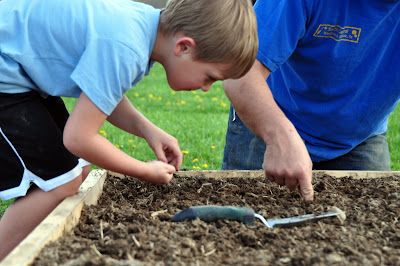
x,y
334,67
61,48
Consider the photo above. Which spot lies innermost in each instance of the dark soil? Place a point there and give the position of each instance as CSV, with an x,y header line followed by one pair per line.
x,y
132,224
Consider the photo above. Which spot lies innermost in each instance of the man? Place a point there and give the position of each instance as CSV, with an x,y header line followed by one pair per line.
x,y
332,81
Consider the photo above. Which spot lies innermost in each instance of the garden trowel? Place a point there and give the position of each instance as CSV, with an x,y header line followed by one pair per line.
x,y
211,213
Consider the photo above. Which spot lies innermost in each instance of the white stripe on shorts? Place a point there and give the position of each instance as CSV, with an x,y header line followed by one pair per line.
x,y
29,177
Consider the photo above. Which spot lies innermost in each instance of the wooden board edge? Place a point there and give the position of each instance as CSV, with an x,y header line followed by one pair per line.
x,y
218,174
359,174
62,219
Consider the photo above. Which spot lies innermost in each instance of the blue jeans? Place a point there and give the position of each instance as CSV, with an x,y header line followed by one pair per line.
x,y
245,151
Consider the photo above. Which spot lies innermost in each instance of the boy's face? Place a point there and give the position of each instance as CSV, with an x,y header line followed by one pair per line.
x,y
188,74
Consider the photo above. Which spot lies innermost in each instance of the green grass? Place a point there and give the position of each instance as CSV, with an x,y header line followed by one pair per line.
x,y
197,119
393,138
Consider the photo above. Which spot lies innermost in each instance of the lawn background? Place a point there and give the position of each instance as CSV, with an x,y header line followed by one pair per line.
x,y
197,119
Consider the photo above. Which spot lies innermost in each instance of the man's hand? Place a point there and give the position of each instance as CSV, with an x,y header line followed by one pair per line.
x,y
287,162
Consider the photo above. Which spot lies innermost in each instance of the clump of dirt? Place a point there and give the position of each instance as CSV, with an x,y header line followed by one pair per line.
x,y
131,224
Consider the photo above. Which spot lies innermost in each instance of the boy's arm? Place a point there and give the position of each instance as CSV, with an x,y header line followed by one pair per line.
x,y
126,117
286,160
82,139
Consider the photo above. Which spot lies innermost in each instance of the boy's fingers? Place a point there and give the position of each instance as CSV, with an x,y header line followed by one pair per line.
x,y
175,158
172,159
161,156
170,169
178,160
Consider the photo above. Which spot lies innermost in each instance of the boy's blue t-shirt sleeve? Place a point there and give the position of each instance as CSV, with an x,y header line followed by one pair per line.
x,y
105,72
281,24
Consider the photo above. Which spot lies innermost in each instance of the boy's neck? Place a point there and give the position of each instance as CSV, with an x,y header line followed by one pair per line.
x,y
162,47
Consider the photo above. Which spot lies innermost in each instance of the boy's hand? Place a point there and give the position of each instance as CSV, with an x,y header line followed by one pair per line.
x,y
81,138
161,173
166,148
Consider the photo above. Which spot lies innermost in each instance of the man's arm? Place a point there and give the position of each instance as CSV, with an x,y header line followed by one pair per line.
x,y
286,160
82,139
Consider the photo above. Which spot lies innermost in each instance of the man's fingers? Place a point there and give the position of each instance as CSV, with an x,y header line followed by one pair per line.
x,y
307,191
280,180
270,177
291,183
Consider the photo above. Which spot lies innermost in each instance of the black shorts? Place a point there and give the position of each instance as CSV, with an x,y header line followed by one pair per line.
x,y
31,144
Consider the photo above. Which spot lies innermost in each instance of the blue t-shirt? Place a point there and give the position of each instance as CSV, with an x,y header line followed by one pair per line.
x,y
335,67
64,47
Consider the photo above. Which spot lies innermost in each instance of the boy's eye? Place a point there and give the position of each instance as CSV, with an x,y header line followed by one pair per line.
x,y
211,79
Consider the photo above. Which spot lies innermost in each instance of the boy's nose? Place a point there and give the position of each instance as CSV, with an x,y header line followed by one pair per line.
x,y
206,87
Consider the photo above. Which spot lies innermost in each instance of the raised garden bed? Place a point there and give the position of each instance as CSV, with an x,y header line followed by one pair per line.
x,y
131,223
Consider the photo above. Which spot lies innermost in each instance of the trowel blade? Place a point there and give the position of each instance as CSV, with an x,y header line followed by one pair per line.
x,y
300,219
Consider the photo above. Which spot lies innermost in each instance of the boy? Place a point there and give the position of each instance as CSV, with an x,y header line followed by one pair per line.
x,y
96,50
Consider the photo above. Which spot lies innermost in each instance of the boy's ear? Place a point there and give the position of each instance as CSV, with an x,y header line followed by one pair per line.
x,y
184,45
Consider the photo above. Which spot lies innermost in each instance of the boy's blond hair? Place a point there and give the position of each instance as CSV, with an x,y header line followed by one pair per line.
x,y
225,31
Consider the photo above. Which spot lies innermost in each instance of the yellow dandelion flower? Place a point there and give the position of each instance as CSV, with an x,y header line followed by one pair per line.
x,y
116,145
159,98
195,160
214,99
173,92
168,103
205,165
185,152
212,147
183,102
133,146
151,96
102,132
223,104
194,92
136,94
130,141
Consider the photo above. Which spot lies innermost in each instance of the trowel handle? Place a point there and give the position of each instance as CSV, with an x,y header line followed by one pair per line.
x,y
211,213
